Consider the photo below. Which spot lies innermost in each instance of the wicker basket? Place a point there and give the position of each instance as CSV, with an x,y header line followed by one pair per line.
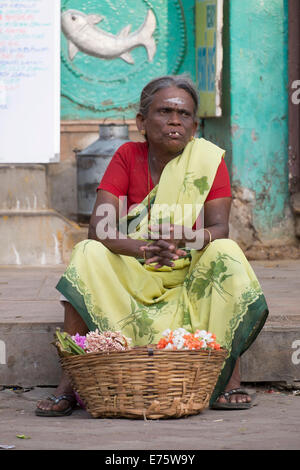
x,y
145,382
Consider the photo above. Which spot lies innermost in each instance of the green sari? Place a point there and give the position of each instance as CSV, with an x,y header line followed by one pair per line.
x,y
212,289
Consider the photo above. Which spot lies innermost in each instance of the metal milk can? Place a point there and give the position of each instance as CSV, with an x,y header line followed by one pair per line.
x,y
92,163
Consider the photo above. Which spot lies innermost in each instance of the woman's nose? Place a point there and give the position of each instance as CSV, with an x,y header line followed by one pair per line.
x,y
174,118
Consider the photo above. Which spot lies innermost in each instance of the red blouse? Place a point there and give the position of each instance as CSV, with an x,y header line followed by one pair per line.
x,y
127,175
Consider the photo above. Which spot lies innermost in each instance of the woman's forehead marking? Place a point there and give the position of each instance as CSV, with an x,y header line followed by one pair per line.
x,y
175,100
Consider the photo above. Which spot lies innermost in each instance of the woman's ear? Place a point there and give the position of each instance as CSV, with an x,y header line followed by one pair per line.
x,y
195,127
140,122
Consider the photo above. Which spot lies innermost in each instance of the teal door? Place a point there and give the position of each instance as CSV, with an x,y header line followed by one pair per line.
x,y
111,49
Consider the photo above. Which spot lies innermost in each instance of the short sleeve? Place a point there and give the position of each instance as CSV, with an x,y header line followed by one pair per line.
x,y
116,177
221,185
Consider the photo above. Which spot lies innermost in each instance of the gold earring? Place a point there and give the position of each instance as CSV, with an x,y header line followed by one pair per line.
x,y
143,132
192,138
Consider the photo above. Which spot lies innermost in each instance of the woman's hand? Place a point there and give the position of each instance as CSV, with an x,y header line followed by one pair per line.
x,y
161,252
164,247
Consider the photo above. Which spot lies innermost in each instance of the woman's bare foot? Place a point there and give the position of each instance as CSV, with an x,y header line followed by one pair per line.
x,y
234,383
48,404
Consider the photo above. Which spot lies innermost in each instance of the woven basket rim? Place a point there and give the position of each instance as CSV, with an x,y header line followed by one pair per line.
x,y
148,351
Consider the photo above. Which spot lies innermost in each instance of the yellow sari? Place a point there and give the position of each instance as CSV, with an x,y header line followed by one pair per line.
x,y
212,289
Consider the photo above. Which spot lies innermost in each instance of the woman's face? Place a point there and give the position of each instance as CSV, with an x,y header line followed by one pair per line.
x,y
170,122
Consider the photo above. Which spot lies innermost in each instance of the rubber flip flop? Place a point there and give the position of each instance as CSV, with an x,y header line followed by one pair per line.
x,y
52,413
234,406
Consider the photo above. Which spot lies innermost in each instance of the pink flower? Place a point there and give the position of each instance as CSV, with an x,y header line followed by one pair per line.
x,y
79,340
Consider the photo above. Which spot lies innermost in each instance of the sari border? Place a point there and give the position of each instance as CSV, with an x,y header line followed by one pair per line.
x,y
256,316
76,300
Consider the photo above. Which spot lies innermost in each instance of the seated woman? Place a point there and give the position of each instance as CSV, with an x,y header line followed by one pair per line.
x,y
173,264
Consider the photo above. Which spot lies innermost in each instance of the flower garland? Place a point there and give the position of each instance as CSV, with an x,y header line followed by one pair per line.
x,y
93,342
184,340
108,341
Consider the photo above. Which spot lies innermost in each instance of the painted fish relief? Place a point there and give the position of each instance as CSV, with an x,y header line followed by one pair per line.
x,y
83,35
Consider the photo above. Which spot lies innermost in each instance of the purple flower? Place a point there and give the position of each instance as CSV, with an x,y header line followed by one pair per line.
x,y
79,340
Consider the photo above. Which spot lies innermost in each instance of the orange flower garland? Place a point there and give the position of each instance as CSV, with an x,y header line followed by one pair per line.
x,y
182,339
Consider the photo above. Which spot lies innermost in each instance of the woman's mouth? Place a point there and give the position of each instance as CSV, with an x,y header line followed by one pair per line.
x,y
173,134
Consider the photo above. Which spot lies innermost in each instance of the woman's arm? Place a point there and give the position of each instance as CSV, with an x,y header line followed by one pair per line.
x,y
216,217
216,221
104,228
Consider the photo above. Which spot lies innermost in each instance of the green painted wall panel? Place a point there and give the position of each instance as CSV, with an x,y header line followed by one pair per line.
x,y
259,105
254,125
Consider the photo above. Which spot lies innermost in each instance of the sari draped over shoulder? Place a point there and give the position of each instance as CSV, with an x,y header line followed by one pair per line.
x,y
212,288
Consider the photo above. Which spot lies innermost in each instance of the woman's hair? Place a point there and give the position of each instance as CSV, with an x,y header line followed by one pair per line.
x,y
180,81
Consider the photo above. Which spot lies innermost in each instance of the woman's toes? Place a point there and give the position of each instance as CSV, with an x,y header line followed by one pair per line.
x,y
50,405
44,405
222,399
242,399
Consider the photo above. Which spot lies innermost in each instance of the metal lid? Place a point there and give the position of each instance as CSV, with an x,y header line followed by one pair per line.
x,y
113,131
111,137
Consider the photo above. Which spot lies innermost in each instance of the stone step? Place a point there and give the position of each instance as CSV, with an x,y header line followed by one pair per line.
x,y
30,312
31,232
23,187
27,357
275,355
41,237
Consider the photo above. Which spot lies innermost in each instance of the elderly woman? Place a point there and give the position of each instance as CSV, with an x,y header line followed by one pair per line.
x,y
168,263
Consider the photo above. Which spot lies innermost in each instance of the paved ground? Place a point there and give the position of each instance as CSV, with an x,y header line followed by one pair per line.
x,y
273,424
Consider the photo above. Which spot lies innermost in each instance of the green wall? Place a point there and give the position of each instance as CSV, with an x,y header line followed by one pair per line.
x,y
254,127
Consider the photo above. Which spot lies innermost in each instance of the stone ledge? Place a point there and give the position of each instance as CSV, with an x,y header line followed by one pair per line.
x,y
93,125
23,187
37,237
31,359
273,356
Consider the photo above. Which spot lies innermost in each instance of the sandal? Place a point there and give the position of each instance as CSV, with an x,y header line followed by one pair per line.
x,y
234,406
50,413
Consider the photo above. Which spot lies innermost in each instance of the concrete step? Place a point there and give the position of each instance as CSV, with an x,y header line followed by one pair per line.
x,y
37,237
31,232
23,187
30,312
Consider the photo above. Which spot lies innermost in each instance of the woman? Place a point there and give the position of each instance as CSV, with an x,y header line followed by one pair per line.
x,y
164,270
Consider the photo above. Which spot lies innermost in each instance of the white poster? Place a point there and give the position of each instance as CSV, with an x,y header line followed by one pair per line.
x,y
29,81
